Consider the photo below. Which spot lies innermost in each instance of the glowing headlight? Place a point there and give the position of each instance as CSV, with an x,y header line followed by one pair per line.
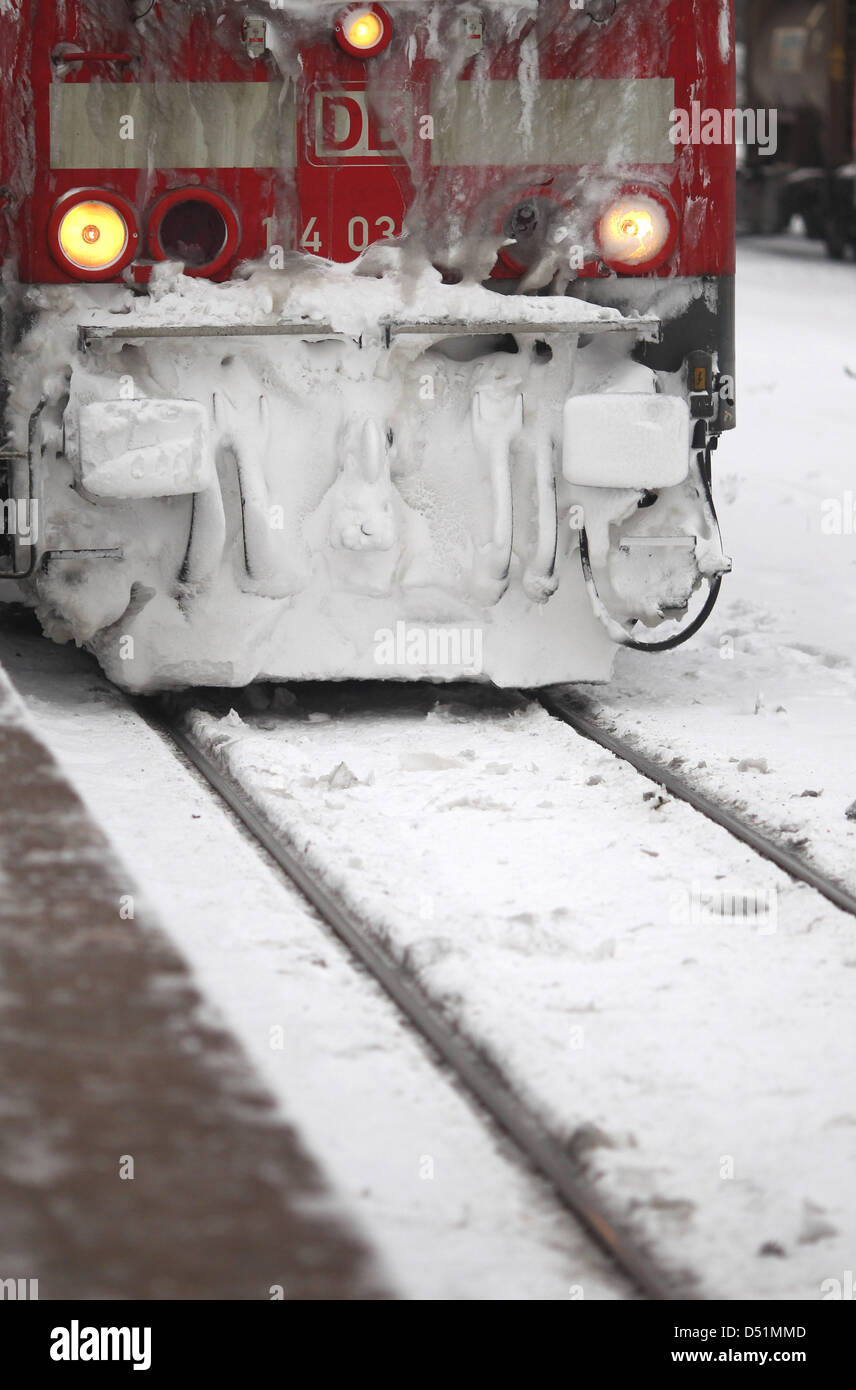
x,y
364,30
637,232
92,234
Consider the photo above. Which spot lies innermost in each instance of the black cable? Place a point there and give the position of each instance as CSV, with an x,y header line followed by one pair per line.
x,y
678,638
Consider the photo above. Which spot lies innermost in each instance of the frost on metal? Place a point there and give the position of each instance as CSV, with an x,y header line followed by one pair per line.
x,y
417,493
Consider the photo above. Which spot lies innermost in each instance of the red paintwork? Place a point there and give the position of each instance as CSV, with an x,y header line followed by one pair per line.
x,y
646,38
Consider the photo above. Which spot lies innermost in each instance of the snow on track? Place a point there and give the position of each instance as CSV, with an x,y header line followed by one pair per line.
x,y
441,1198
140,1159
759,710
522,876
548,899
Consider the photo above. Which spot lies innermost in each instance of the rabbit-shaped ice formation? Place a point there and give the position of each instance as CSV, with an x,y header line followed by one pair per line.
x,y
362,497
358,524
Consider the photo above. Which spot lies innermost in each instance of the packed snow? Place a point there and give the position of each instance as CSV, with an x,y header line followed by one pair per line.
x,y
760,709
591,937
442,1198
677,1010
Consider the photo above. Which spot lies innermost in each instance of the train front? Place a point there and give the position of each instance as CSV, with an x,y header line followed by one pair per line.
x,y
365,341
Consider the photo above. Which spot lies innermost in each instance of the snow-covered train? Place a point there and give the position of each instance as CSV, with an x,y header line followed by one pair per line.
x,y
353,341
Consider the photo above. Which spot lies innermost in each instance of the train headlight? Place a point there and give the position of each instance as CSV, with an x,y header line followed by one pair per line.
x,y
93,234
638,231
364,30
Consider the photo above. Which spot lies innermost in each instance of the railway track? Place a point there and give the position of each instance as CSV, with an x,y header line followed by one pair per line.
x,y
654,1276
575,711
473,1071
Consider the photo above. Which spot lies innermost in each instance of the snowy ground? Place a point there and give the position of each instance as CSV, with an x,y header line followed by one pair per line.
x,y
761,706
559,912
447,1205
553,905
744,1064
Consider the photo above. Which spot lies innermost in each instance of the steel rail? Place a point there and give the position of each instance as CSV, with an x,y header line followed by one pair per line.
x,y
571,710
542,1151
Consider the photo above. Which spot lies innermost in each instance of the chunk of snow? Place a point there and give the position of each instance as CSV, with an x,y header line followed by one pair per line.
x,y
626,440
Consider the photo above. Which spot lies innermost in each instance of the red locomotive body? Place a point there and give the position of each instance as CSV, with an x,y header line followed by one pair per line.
x,y
269,268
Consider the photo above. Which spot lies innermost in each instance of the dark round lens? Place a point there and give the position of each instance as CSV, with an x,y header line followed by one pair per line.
x,y
194,232
523,220
527,225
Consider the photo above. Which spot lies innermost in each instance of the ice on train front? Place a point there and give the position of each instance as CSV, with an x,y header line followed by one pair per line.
x,y
364,341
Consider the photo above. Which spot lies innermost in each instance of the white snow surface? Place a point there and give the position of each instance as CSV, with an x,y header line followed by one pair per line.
x,y
553,897
380,518
388,283
540,893
441,1198
543,895
760,708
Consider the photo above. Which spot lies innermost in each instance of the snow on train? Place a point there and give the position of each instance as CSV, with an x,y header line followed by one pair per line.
x,y
336,337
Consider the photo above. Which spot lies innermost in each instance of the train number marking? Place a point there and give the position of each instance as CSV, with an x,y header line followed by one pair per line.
x,y
311,239
359,235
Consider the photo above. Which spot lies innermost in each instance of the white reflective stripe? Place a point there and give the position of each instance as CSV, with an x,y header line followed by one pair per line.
x,y
242,125
585,120
171,125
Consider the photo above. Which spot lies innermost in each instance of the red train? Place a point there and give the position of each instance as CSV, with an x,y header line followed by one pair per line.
x,y
365,340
